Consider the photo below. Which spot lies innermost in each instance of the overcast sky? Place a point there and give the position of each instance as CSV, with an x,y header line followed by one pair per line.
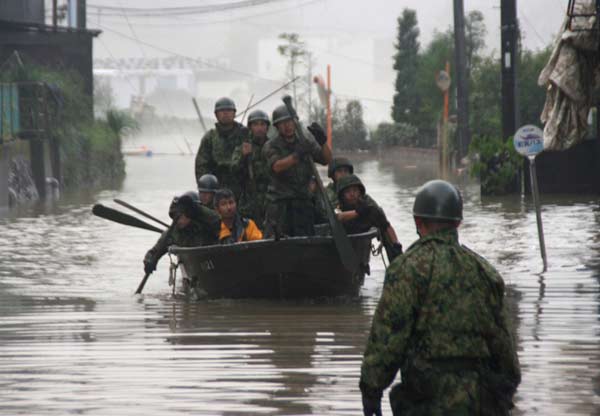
x,y
348,21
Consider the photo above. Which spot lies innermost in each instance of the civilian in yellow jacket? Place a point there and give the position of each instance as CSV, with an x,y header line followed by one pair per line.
x,y
234,229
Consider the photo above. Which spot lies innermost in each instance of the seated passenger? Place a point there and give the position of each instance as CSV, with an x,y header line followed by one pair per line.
x,y
207,186
338,168
359,212
234,228
193,225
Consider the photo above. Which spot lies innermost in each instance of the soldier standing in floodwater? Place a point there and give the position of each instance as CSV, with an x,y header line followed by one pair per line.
x,y
217,145
250,165
441,321
290,210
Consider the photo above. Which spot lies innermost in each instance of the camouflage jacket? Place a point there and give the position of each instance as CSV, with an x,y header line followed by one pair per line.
x,y
441,306
204,230
254,190
292,183
214,155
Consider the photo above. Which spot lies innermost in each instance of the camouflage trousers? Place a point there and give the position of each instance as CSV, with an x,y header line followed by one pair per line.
x,y
290,217
455,393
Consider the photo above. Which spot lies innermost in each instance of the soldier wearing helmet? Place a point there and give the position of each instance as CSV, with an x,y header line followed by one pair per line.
x,y
441,321
359,212
193,225
290,210
250,166
217,145
208,184
338,168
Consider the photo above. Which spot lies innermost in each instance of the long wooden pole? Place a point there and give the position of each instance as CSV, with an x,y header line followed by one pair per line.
x,y
329,128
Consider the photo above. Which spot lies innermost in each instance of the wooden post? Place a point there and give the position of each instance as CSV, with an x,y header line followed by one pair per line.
x,y
329,128
54,13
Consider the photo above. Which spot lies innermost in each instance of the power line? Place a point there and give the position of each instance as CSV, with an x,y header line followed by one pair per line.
x,y
178,11
543,42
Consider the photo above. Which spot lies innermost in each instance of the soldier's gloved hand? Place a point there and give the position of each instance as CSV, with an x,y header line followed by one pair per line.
x,y
393,251
149,263
363,209
371,405
318,132
303,148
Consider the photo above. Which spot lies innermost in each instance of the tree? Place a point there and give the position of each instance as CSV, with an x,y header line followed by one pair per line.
x,y
295,51
475,32
406,60
353,129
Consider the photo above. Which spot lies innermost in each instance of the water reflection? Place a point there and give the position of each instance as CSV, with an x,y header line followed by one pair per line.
x,y
73,339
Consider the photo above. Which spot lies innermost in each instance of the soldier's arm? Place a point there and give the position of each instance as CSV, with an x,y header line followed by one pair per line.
x,y
238,161
277,162
160,248
392,324
203,157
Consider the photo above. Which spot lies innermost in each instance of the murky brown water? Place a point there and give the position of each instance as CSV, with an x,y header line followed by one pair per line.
x,y
74,340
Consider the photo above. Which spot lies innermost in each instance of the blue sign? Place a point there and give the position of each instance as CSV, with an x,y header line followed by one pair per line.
x,y
529,140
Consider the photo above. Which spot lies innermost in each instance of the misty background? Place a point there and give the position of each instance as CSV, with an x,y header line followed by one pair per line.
x,y
234,52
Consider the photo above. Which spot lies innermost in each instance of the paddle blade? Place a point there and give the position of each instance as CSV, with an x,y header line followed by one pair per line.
x,y
111,214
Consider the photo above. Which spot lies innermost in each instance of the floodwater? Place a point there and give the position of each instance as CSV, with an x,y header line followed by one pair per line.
x,y
75,340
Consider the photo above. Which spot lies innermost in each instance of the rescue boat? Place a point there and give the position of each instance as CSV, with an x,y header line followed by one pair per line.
x,y
294,267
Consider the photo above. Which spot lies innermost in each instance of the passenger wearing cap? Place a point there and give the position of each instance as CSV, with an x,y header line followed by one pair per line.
x,y
289,207
193,225
234,227
338,168
208,184
251,167
217,145
359,212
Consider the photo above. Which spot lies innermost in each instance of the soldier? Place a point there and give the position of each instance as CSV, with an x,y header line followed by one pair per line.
x,y
338,168
359,212
217,145
250,165
441,321
290,210
234,228
207,186
193,225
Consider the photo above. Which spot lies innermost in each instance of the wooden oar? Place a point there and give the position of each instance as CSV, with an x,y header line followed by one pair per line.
x,y
111,214
145,278
139,211
342,242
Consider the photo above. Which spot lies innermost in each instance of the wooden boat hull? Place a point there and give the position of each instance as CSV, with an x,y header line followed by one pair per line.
x,y
297,267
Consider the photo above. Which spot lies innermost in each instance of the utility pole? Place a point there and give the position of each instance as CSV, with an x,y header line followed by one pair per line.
x,y
309,85
509,37
462,93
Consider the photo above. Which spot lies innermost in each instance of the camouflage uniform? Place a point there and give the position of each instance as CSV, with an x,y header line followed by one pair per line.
x,y
331,193
204,230
214,155
289,204
441,322
252,201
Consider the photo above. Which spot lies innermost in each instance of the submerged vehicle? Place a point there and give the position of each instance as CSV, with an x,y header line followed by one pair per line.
x,y
294,267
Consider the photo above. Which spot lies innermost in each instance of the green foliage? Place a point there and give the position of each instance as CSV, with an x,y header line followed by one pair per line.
x,y
353,131
496,163
121,122
396,134
90,150
531,96
406,64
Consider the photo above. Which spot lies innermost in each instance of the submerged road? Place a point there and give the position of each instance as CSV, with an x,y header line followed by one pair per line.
x,y
74,339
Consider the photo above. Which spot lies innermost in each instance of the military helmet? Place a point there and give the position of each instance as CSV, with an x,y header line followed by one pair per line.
x,y
208,183
281,113
348,181
184,204
438,200
258,115
339,162
224,103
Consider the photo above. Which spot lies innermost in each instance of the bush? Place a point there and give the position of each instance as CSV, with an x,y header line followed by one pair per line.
x,y
497,165
396,134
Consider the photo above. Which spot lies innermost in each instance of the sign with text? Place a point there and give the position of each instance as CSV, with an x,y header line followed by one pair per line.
x,y
529,140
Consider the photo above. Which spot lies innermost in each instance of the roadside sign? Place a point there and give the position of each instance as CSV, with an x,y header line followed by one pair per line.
x,y
529,140
443,81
